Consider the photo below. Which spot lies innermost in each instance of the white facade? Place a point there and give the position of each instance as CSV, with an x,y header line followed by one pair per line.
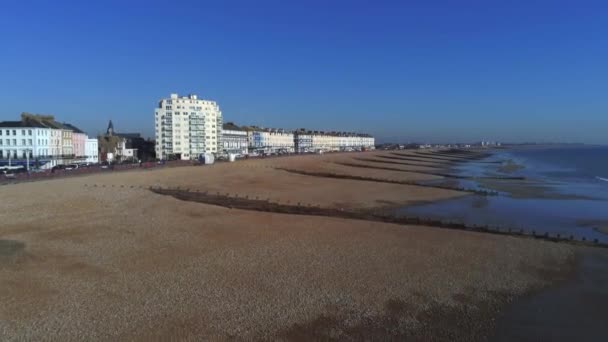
x,y
303,142
38,142
129,153
40,139
48,142
123,152
91,150
18,142
55,142
234,141
342,141
187,127
271,141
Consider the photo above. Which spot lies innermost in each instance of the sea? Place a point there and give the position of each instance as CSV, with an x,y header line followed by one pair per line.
x,y
564,192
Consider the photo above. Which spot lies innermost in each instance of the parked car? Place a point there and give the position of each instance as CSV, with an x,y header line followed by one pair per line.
x,y
57,168
8,174
13,169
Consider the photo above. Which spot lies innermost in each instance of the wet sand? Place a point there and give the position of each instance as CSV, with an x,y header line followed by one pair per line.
x,y
527,189
574,310
599,225
101,257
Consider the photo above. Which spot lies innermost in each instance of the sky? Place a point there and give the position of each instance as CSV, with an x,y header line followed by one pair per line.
x,y
404,71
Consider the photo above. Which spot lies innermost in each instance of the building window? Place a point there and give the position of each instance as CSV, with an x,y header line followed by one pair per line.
x,y
14,132
29,132
29,142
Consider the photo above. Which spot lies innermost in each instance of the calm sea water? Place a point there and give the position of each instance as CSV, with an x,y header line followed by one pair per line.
x,y
575,177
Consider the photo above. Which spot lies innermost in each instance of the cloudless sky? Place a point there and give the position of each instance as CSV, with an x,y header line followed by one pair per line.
x,y
402,70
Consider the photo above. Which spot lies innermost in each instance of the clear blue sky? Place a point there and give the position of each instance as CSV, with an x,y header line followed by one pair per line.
x,y
402,70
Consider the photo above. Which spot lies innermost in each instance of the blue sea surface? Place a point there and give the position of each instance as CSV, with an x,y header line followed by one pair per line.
x,y
575,173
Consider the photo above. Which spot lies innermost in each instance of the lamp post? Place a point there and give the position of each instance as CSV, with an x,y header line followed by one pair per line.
x,y
27,158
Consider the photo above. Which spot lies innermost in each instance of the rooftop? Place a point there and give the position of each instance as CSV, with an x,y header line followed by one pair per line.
x,y
73,128
39,121
230,126
128,135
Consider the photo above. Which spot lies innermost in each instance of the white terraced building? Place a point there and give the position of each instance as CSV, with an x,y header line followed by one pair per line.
x,y
271,141
234,139
36,137
309,141
187,127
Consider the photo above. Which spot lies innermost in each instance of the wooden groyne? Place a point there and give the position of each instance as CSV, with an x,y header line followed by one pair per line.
x,y
236,201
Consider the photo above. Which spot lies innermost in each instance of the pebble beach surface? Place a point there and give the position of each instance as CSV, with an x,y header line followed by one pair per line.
x,y
100,257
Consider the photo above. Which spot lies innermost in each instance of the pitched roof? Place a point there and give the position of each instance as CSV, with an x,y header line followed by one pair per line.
x,y
128,135
73,128
11,124
53,124
31,124
232,127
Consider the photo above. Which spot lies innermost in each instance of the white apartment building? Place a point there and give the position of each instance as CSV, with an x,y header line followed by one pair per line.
x,y
186,127
271,141
91,150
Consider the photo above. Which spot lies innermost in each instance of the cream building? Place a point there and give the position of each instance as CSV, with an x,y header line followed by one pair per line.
x,y
187,127
271,141
341,141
